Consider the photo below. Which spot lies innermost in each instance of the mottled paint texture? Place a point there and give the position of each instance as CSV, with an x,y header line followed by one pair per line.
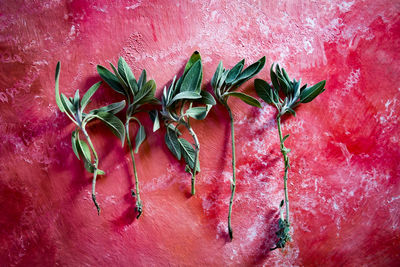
x,y
344,183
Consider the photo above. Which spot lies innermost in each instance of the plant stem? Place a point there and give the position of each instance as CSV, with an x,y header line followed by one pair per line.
x,y
139,206
286,160
196,158
96,162
233,183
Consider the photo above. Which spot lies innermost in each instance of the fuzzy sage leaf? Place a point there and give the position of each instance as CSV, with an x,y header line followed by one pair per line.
x,y
84,149
179,104
224,83
285,95
137,94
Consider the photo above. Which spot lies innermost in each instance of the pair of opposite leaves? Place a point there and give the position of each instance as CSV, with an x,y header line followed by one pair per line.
x,y
180,103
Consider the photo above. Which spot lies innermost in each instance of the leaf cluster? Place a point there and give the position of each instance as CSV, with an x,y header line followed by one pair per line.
x,y
286,94
225,81
184,99
74,107
137,93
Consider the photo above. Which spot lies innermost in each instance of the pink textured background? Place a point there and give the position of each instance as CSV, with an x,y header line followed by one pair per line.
x,y
344,182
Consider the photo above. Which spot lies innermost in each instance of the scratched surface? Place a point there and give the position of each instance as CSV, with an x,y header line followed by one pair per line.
x,y
344,183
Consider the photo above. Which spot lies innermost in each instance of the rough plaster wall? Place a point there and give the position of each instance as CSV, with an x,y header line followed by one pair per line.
x,y
344,183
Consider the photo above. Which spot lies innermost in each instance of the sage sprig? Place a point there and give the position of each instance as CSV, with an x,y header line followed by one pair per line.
x,y
137,93
180,103
224,84
285,95
74,107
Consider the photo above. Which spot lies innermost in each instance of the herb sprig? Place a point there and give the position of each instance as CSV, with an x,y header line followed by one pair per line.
x,y
285,95
179,104
74,107
224,84
137,93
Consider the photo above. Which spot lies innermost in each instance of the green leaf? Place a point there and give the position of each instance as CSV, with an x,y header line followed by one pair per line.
x,y
146,93
246,98
114,108
89,94
308,94
76,99
172,143
90,168
126,74
286,76
188,152
207,98
67,105
58,99
174,128
234,72
191,80
198,113
115,125
74,139
121,80
83,150
274,77
184,95
285,137
263,90
140,137
156,121
291,111
284,86
193,59
110,79
217,76
250,71
142,79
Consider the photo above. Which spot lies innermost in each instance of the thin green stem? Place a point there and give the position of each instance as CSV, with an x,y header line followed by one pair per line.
x,y
233,183
284,151
96,162
196,157
139,205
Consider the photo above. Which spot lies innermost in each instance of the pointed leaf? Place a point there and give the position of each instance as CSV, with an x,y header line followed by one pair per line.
x,y
57,78
191,80
185,95
67,105
217,76
110,79
126,74
86,97
74,139
172,143
146,93
285,137
274,77
140,137
113,108
250,72
142,79
115,125
156,121
308,94
198,113
188,152
234,72
246,98
207,98
193,59
83,150
263,90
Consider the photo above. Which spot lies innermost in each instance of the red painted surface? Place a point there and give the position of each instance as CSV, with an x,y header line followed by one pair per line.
x,y
344,181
